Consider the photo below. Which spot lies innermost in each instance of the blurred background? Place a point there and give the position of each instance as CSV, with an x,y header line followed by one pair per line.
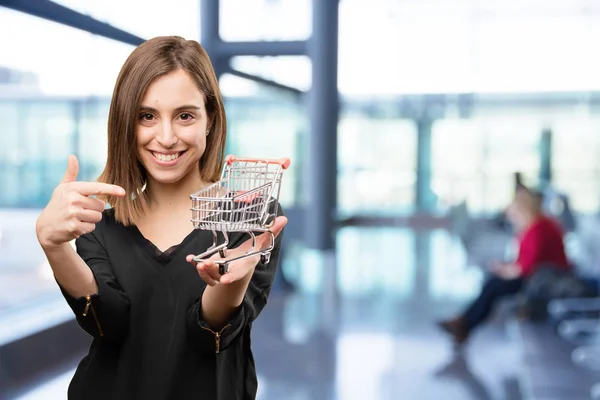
x,y
406,122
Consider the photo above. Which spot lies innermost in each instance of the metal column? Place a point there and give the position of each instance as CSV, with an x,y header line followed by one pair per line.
x,y
323,108
546,158
209,34
63,15
424,195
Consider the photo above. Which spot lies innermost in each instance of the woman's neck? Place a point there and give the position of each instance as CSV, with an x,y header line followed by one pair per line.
x,y
173,196
530,220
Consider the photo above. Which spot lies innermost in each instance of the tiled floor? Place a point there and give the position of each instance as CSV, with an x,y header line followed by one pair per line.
x,y
374,337
55,388
368,357
24,275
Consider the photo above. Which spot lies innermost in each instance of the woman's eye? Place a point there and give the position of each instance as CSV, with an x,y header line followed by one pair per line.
x,y
146,117
186,117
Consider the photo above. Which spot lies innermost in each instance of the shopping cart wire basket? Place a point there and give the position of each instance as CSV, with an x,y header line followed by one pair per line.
x,y
245,199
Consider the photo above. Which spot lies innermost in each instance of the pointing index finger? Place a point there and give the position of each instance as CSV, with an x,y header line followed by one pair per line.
x,y
97,188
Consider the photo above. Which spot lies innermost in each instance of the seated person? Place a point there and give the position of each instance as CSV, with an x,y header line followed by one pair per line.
x,y
540,244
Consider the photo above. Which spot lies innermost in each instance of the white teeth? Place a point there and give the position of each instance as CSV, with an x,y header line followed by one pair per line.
x,y
165,157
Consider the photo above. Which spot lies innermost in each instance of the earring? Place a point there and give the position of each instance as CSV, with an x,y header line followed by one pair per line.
x,y
207,131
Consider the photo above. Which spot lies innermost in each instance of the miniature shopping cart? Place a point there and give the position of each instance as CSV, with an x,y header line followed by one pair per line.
x,y
245,199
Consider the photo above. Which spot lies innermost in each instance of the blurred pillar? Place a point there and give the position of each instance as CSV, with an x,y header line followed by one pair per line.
x,y
209,34
423,260
425,200
546,158
263,48
323,107
76,109
60,14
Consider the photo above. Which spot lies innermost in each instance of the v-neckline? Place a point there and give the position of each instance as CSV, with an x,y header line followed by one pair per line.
x,y
164,257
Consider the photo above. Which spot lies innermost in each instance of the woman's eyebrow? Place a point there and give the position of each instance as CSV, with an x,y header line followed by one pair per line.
x,y
178,109
188,107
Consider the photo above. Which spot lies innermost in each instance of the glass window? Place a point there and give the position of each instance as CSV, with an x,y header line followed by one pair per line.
x,y
55,86
10,149
450,277
475,159
48,138
462,47
92,145
576,161
60,62
376,165
142,18
511,144
261,126
561,35
359,276
456,176
255,20
287,70
430,51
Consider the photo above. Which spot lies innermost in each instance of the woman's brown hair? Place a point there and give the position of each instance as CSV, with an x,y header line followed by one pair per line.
x,y
149,61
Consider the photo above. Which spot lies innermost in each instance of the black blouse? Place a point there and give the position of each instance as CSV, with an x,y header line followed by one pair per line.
x,y
149,338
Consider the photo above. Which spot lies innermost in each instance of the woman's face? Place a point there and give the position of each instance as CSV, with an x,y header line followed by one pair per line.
x,y
516,214
171,128
522,210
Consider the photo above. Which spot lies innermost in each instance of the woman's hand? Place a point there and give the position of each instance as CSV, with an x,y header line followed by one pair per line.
x,y
497,265
508,271
71,212
238,270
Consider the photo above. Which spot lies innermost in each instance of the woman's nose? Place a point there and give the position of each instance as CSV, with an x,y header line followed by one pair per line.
x,y
166,137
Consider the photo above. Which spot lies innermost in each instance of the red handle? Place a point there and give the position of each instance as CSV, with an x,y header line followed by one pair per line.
x,y
284,162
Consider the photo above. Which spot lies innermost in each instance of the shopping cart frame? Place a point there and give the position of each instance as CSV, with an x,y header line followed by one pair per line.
x,y
245,199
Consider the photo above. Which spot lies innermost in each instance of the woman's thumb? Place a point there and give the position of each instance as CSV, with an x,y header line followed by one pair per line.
x,y
72,170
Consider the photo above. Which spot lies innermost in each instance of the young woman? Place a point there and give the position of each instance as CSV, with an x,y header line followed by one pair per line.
x,y
163,326
540,244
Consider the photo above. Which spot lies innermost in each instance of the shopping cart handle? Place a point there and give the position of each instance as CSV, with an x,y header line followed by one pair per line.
x,y
284,162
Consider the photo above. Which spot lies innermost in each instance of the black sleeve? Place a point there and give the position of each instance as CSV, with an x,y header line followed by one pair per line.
x,y
105,314
254,301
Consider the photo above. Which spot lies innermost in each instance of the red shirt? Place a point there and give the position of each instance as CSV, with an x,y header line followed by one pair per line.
x,y
541,243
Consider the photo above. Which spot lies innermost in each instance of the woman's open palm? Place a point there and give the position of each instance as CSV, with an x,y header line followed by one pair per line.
x,y
239,269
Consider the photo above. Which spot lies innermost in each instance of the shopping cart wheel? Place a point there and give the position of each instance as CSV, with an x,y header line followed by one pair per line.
x,y
265,258
223,253
223,268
